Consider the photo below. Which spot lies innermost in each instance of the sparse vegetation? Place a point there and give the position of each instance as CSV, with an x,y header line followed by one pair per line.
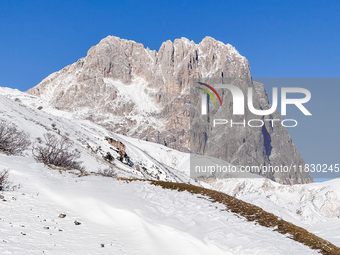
x,y
258,215
109,172
108,157
54,151
12,140
4,182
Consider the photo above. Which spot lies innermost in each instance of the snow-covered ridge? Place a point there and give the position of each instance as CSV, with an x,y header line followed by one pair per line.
x,y
304,205
313,206
102,215
36,117
308,204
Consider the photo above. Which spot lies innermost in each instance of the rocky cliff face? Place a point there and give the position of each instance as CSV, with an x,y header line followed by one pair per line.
x,y
244,144
146,94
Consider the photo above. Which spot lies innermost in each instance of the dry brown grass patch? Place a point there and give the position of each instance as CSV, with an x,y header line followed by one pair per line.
x,y
258,215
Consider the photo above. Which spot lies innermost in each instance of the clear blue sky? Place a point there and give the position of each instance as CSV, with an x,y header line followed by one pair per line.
x,y
279,38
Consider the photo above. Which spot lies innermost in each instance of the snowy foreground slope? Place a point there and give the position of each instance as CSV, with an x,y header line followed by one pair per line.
x,y
127,218
136,217
313,206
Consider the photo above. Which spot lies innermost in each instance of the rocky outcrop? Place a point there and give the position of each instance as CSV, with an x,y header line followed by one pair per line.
x,y
139,92
117,144
146,94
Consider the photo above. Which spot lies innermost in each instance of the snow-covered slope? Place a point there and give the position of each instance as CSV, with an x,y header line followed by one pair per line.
x,y
125,218
308,205
304,204
137,218
311,206
90,139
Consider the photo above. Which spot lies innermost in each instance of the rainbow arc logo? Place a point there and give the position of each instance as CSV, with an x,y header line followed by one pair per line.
x,y
204,97
209,93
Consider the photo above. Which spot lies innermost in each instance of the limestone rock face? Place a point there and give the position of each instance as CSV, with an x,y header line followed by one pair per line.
x,y
145,94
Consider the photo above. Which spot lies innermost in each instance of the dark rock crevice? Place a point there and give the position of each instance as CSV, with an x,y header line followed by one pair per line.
x,y
267,141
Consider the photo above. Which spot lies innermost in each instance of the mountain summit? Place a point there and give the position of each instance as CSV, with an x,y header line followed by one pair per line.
x,y
145,94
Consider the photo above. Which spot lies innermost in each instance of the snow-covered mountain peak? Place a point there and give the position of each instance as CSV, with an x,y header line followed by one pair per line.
x,y
145,94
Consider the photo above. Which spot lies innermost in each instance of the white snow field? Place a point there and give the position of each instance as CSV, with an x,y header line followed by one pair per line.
x,y
136,217
126,218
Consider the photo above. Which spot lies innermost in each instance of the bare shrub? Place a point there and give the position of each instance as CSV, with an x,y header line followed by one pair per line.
x,y
55,151
108,157
108,172
12,140
4,183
